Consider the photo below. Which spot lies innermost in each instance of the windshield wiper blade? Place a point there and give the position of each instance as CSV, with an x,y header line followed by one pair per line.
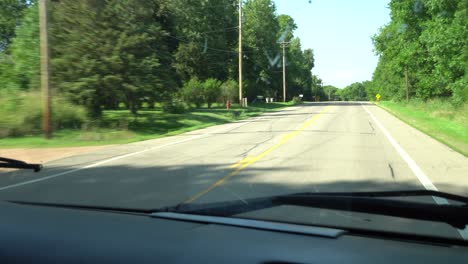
x,y
363,202
18,164
403,193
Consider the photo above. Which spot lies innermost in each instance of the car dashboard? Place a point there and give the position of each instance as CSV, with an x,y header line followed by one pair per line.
x,y
40,234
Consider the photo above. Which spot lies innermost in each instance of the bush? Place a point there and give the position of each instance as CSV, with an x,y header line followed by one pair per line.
x,y
211,91
174,106
22,114
460,92
192,92
67,115
229,90
296,100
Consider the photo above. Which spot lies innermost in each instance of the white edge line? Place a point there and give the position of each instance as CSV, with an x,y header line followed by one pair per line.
x,y
119,157
425,181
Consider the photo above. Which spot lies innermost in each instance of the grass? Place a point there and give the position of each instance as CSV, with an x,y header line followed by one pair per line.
x,y
437,118
120,126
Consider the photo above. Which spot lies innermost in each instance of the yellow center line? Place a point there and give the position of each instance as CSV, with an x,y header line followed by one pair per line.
x,y
246,162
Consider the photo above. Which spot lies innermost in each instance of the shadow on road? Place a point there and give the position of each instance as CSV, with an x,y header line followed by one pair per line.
x,y
159,186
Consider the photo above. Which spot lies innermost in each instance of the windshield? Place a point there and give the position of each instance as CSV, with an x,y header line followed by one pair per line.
x,y
148,104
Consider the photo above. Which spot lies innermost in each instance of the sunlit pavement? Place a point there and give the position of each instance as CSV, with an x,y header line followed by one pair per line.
x,y
314,147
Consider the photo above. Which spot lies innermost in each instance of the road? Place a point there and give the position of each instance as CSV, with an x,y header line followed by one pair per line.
x,y
314,147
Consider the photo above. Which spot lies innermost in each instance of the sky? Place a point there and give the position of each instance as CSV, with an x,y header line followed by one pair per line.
x,y
339,32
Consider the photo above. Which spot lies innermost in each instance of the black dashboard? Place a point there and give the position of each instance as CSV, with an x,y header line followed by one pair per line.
x,y
38,234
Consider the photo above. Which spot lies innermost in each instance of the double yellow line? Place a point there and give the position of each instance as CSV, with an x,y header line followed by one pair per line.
x,y
246,162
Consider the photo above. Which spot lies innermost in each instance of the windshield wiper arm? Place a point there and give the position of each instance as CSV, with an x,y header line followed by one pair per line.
x,y
364,202
18,164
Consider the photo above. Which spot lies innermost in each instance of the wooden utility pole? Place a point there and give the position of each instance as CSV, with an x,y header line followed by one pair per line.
x,y
45,70
283,44
406,83
240,52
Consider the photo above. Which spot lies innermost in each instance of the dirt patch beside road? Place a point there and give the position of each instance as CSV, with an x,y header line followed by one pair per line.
x,y
43,155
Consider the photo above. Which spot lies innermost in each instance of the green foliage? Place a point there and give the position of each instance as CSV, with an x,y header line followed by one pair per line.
x,y
136,54
66,115
428,39
330,92
296,100
299,65
353,92
316,89
146,125
192,92
262,59
229,91
100,60
20,67
11,13
460,91
21,114
207,35
438,118
211,91
174,106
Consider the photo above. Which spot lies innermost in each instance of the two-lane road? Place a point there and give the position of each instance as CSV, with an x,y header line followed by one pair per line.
x,y
312,147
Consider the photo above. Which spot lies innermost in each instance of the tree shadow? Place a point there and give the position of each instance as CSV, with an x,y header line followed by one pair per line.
x,y
158,186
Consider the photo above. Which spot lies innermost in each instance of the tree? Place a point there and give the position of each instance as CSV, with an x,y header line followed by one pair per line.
x,y
192,92
262,63
207,33
11,13
298,68
109,51
287,26
19,69
229,90
354,92
316,88
425,41
211,91
330,92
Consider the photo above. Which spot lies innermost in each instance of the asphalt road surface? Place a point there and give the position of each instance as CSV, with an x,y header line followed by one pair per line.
x,y
314,147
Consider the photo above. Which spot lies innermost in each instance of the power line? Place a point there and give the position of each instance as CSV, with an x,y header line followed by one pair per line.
x,y
203,46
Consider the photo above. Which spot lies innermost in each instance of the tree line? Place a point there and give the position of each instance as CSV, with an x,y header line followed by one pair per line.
x,y
424,48
141,52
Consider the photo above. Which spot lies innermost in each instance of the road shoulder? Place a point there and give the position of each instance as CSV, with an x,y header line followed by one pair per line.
x,y
447,173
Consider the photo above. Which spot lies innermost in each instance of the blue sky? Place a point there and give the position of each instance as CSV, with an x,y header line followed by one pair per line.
x,y
339,32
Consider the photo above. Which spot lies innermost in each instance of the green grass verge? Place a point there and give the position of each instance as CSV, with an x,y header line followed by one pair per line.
x,y
120,126
438,119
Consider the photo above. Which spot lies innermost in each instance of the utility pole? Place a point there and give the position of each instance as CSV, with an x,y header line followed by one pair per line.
x,y
283,44
240,52
316,87
45,70
321,85
406,83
